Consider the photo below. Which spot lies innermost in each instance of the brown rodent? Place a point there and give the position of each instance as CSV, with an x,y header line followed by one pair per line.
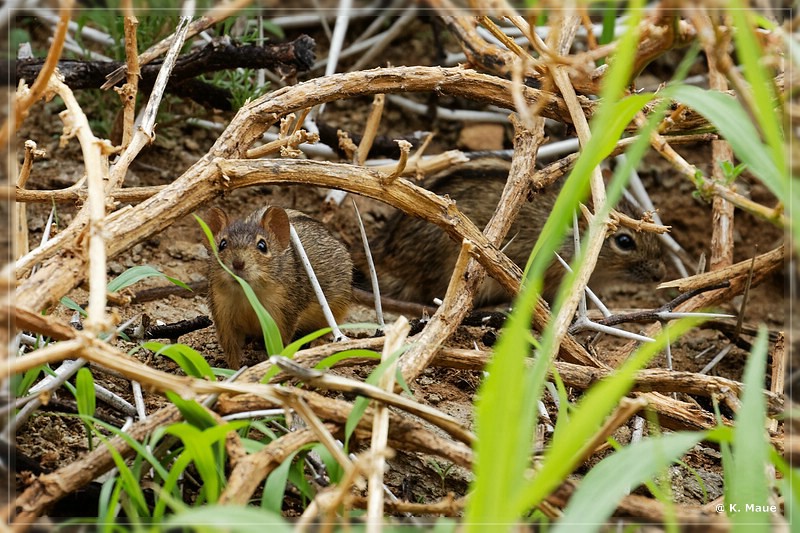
x,y
258,249
415,259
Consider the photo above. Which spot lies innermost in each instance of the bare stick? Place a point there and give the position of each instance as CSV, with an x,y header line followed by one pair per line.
x,y
323,302
214,15
370,129
29,96
128,91
395,336
373,276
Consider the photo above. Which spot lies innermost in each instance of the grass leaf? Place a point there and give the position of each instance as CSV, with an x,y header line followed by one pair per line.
x,y
613,477
138,273
748,482
190,360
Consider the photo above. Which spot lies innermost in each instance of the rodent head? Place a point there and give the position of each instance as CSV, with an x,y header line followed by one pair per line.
x,y
251,248
632,256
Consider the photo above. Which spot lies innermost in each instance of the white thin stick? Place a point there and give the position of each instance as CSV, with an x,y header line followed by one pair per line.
x,y
138,399
249,415
113,400
373,275
339,33
448,114
323,303
584,324
65,371
589,292
395,336
144,132
387,37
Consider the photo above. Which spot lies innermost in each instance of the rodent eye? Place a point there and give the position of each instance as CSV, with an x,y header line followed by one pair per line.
x,y
625,242
262,246
223,244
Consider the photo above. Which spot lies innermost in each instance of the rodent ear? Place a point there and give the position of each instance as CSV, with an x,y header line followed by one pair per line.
x,y
276,221
216,220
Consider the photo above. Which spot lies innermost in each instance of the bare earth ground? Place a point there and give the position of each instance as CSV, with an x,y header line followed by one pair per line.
x,y
56,440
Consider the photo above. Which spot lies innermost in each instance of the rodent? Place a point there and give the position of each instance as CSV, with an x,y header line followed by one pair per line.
x,y
415,259
259,250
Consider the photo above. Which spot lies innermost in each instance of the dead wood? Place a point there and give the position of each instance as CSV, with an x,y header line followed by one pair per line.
x,y
221,54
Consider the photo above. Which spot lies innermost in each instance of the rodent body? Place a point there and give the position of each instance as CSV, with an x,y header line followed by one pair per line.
x,y
258,249
415,259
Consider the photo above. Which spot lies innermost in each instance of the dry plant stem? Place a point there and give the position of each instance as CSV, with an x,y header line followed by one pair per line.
x,y
145,133
778,373
652,380
405,149
201,182
597,229
541,178
709,187
329,381
252,469
624,411
20,242
761,264
129,90
722,218
370,128
142,137
297,138
214,15
396,334
447,506
27,99
76,123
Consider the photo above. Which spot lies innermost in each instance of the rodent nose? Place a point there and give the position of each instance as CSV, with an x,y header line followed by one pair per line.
x,y
238,263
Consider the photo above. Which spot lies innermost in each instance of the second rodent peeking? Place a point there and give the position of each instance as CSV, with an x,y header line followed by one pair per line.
x,y
258,249
415,259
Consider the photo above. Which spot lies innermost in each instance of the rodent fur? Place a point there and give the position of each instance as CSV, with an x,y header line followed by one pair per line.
x,y
415,259
258,249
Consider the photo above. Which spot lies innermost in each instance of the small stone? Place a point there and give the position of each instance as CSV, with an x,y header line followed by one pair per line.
x,y
137,249
434,398
115,268
482,136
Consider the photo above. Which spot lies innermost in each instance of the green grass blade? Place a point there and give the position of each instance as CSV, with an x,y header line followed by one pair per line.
x,y
733,123
751,55
611,479
230,518
138,273
69,303
597,403
748,478
190,360
275,486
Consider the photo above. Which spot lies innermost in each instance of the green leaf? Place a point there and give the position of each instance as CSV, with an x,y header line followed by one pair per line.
x,y
69,303
138,273
231,518
332,360
22,383
190,360
597,403
748,478
615,476
733,123
84,386
275,486
192,412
